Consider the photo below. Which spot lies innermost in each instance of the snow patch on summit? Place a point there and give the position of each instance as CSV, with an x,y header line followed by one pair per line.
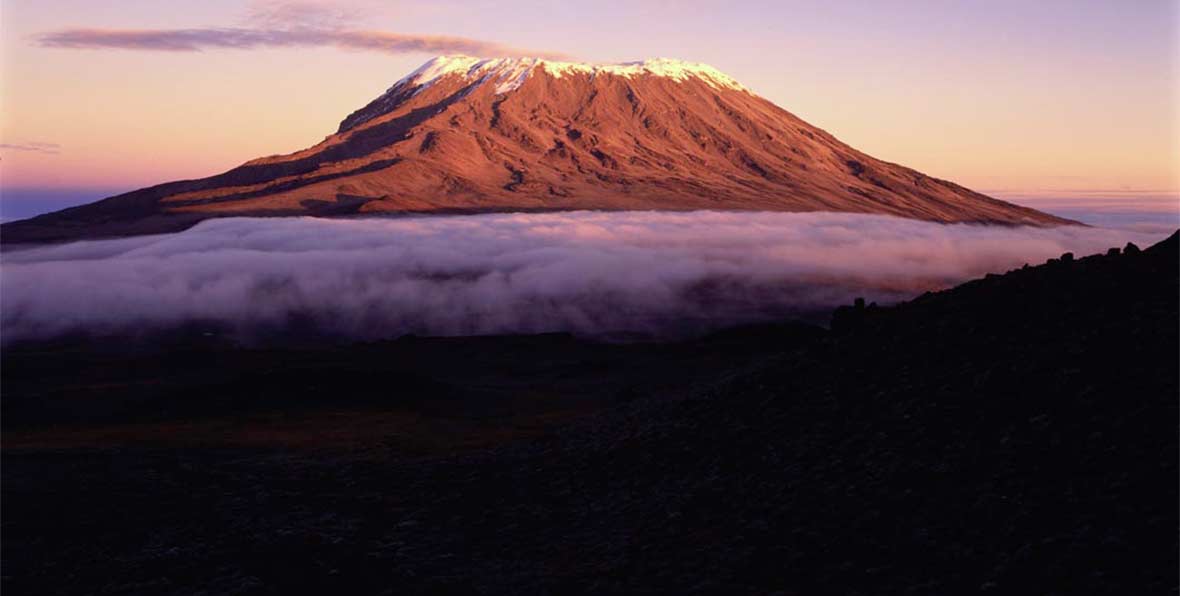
x,y
508,74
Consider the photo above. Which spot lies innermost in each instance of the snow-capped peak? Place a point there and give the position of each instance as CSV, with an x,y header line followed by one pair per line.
x,y
509,73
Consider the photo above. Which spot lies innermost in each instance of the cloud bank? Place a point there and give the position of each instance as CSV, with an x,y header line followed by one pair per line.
x,y
592,273
198,39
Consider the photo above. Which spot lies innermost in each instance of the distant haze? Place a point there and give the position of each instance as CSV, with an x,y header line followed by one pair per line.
x,y
592,273
1145,211
1139,211
23,203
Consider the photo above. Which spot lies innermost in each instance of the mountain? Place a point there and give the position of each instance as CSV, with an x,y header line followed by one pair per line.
x,y
462,134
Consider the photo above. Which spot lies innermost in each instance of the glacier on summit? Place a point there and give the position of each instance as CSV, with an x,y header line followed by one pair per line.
x,y
510,73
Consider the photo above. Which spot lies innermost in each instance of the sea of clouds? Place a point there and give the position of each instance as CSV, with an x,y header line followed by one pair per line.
x,y
600,274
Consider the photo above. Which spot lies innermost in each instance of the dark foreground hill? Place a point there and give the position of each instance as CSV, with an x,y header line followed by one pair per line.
x,y
1016,434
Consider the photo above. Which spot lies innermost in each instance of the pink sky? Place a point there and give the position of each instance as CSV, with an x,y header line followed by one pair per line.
x,y
999,95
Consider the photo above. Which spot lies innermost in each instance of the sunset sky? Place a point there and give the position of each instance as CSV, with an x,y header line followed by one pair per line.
x,y
998,95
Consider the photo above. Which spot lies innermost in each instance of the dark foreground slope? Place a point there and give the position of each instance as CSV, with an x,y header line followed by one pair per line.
x,y
1014,435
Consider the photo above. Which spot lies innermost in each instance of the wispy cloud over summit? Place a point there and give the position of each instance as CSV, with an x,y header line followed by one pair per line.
x,y
33,147
241,38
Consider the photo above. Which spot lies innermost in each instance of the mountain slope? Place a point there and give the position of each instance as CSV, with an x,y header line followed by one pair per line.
x,y
464,134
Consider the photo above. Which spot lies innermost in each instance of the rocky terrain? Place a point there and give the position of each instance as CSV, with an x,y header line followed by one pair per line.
x,y
462,134
1016,434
